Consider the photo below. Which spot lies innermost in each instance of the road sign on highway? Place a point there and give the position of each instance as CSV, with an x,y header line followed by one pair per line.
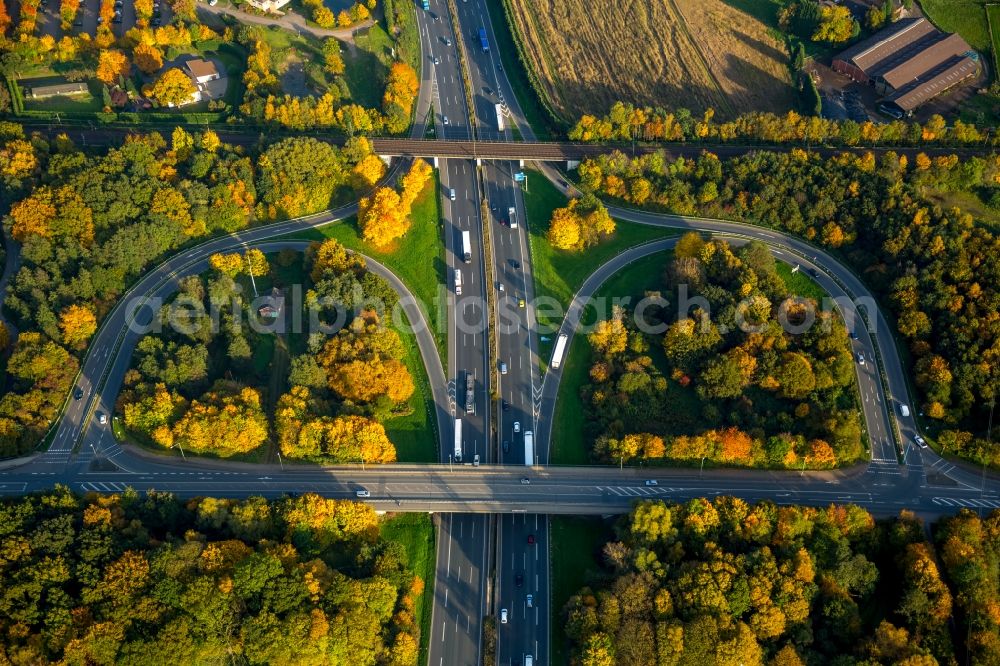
x,y
520,177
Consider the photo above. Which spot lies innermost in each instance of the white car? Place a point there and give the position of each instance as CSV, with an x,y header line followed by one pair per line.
x,y
362,493
861,358
921,442
102,418
503,368
446,120
503,616
651,482
530,601
517,427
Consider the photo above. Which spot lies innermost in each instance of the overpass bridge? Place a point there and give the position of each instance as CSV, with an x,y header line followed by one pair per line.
x,y
563,151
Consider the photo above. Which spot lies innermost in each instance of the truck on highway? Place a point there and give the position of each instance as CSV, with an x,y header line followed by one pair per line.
x,y
470,395
529,448
500,117
466,247
483,41
458,440
512,217
558,352
458,282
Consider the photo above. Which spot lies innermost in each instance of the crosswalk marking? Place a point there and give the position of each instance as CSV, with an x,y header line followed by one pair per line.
x,y
968,503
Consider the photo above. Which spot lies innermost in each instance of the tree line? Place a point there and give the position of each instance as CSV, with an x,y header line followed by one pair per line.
x,y
726,582
89,223
737,384
890,218
626,122
131,579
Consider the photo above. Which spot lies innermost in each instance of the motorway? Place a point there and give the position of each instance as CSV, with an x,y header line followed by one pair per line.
x,y
487,515
463,544
522,540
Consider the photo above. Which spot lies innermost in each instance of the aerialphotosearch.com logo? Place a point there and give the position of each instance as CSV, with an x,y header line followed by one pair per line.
x,y
296,310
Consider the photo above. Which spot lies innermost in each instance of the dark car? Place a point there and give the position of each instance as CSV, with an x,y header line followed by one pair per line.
x,y
78,393
117,19
531,539
813,272
505,405
519,580
515,263
506,445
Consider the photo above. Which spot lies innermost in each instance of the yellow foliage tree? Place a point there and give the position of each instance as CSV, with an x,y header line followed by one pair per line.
x,y
173,88
226,420
210,141
382,218
564,229
77,324
148,58
609,337
368,171
413,183
227,264
330,257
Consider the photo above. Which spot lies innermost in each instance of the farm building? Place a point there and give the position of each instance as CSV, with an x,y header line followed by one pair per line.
x,y
909,63
41,92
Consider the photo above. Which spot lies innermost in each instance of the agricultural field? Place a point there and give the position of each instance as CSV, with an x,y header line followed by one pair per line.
x,y
678,53
966,17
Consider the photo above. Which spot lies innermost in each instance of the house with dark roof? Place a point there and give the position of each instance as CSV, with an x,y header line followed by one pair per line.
x,y
909,63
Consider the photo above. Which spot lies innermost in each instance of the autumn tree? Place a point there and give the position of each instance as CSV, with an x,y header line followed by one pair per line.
x,y
227,420
173,88
148,58
382,217
77,323
333,62
112,65
412,183
836,25
401,88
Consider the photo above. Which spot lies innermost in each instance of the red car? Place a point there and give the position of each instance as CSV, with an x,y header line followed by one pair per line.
x,y
531,539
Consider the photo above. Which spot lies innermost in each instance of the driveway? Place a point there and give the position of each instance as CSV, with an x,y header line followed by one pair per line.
x,y
290,21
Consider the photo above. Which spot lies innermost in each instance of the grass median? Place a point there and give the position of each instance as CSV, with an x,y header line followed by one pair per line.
x,y
417,259
415,533
569,439
558,274
576,546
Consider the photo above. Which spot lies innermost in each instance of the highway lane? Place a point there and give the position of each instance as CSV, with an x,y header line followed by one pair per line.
x,y
458,599
527,631
462,562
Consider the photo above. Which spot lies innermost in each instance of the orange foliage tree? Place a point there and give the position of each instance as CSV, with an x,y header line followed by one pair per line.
x,y
112,65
